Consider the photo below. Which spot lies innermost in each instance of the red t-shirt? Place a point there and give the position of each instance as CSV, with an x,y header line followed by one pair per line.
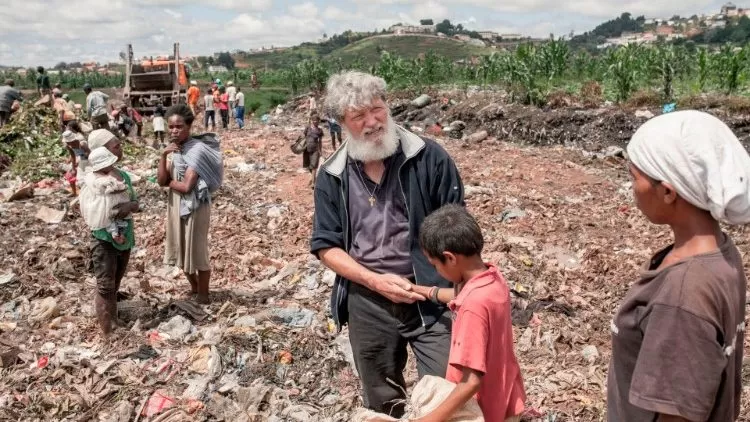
x,y
482,339
224,102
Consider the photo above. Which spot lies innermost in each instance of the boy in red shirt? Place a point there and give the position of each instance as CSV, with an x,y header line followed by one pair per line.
x,y
482,362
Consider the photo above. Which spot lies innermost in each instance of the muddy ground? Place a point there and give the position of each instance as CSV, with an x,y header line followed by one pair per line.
x,y
558,221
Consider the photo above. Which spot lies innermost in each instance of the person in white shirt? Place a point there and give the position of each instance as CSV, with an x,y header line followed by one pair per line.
x,y
239,110
210,114
232,93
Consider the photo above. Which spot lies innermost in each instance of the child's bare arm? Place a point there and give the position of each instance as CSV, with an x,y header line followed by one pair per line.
x,y
444,295
465,390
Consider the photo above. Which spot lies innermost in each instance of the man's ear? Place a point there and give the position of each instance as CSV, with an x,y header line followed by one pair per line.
x,y
670,194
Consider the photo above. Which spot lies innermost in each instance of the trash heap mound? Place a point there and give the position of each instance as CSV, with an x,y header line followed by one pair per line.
x,y
29,143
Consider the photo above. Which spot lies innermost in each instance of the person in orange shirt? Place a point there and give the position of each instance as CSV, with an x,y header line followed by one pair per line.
x,y
193,95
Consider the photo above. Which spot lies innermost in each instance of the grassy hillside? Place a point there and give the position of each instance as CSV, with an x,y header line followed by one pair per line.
x,y
409,46
276,59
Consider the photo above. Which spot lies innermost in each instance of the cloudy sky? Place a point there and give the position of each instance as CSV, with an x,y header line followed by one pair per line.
x,y
46,32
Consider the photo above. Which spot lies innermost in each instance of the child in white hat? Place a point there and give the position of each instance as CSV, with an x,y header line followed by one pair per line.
x,y
103,193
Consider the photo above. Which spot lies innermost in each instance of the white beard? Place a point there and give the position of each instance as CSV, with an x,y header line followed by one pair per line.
x,y
368,150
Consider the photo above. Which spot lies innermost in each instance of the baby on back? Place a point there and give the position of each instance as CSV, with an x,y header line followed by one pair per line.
x,y
103,192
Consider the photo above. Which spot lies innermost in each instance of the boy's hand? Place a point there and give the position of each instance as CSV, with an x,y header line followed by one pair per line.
x,y
396,289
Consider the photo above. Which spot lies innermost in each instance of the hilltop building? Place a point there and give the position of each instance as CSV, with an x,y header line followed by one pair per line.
x,y
412,29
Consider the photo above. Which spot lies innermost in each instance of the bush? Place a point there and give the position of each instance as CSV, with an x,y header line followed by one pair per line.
x,y
591,94
645,98
253,106
276,99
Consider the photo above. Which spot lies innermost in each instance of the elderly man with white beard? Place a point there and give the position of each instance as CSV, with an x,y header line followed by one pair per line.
x,y
371,197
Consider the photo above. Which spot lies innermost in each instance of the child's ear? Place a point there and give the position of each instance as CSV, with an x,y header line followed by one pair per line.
x,y
450,258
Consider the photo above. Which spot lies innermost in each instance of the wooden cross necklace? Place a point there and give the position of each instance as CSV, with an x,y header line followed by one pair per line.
x,y
372,194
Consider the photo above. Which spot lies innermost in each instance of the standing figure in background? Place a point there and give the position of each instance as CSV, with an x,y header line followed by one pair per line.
x,y
254,80
96,107
312,106
193,95
232,94
239,111
193,174
135,119
335,128
43,86
210,113
159,125
62,109
224,107
313,147
9,98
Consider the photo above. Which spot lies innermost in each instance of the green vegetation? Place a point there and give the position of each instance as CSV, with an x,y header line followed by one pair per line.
x,y
447,28
407,46
31,142
609,29
531,72
264,100
737,31
350,46
69,80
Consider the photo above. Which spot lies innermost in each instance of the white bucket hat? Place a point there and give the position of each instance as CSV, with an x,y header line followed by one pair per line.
x,y
69,136
99,138
101,158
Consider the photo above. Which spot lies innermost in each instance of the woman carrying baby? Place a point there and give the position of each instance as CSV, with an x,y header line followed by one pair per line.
x,y
107,202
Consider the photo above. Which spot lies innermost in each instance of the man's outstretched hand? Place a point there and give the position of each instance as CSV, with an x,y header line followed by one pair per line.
x,y
394,288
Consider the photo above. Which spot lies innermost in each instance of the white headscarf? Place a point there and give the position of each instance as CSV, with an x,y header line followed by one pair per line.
x,y
701,158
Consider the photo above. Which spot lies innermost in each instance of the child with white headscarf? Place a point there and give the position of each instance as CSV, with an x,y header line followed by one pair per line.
x,y
678,336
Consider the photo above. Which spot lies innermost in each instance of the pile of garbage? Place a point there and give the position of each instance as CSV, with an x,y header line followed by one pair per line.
x,y
474,116
560,225
30,143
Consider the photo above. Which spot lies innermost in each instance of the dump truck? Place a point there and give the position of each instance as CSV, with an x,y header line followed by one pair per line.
x,y
150,81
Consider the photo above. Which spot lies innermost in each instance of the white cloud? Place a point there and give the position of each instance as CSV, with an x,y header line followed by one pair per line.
x,y
335,14
430,10
303,10
172,13
49,31
239,5
598,8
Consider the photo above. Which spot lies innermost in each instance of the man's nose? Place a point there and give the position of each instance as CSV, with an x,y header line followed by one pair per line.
x,y
370,120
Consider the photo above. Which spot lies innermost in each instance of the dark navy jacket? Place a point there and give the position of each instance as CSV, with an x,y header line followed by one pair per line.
x,y
429,179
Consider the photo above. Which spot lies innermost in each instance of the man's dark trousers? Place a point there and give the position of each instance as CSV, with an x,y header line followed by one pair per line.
x,y
379,331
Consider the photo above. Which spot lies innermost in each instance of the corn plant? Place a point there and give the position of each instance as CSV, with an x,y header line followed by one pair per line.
x,y
703,68
663,68
553,58
624,70
731,65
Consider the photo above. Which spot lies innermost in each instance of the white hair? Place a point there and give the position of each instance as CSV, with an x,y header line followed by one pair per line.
x,y
360,148
352,89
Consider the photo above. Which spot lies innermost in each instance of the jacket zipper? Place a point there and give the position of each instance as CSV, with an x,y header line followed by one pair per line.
x,y
406,206
346,240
